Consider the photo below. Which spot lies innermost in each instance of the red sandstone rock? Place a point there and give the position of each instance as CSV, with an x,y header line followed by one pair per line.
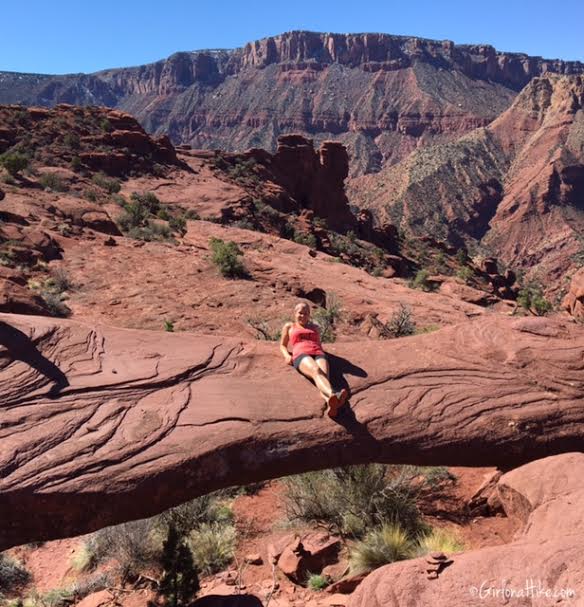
x,y
574,300
115,413
546,556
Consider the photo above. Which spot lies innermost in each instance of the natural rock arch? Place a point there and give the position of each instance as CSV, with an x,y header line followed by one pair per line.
x,y
100,425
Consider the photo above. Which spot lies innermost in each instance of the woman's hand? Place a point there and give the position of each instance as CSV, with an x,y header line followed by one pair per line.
x,y
289,359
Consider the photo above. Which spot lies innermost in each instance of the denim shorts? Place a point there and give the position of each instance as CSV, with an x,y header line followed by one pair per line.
x,y
298,359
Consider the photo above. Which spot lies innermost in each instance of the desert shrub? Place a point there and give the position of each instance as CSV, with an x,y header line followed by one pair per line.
x,y
263,329
531,298
76,163
439,540
400,324
192,214
148,200
387,544
52,181
213,546
420,281
462,256
152,231
317,581
180,581
190,515
14,162
59,280
90,195
306,239
350,500
243,171
326,318
55,304
178,224
12,574
135,546
226,257
169,326
109,184
71,140
465,273
105,125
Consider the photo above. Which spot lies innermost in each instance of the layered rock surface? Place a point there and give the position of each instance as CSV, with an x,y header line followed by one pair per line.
x,y
99,425
382,95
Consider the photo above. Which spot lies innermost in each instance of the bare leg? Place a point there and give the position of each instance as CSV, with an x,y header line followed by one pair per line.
x,y
324,367
310,368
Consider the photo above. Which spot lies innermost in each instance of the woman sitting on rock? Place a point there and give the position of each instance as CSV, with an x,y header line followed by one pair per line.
x,y
308,356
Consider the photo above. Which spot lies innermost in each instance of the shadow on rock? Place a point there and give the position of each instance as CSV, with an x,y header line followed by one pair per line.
x,y
20,347
242,600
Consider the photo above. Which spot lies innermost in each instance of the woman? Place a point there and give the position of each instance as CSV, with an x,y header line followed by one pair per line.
x,y
308,356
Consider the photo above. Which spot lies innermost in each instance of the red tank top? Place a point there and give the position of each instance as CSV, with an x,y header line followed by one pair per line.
x,y
305,340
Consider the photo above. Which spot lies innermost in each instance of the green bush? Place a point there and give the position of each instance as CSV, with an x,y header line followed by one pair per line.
x,y
212,546
14,162
109,184
148,200
71,140
306,239
12,574
76,163
152,231
178,224
317,582
326,318
169,326
180,581
351,500
420,281
54,182
465,273
381,546
531,298
400,324
226,257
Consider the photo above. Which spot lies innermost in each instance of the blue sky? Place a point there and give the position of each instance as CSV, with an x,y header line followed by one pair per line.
x,y
66,36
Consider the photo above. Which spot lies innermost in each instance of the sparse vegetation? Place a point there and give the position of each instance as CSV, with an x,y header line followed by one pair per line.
x,y
386,544
54,182
317,581
226,257
14,162
12,574
351,500
465,273
180,581
439,540
532,299
326,318
263,329
401,323
109,184
306,239
169,326
212,546
420,281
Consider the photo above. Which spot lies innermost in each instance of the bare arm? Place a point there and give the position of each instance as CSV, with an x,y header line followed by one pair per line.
x,y
284,343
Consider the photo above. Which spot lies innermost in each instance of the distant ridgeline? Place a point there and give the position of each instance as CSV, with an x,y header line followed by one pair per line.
x,y
376,93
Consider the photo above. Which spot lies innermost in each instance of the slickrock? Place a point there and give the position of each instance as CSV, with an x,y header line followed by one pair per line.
x,y
99,425
544,565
